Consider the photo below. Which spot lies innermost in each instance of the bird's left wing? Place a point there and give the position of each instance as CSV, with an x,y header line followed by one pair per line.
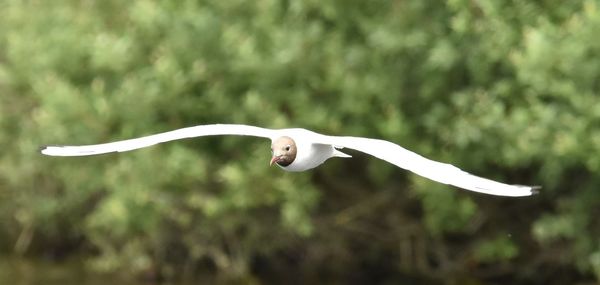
x,y
437,171
131,144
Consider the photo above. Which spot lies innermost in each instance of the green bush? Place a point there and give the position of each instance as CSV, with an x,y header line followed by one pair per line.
x,y
503,89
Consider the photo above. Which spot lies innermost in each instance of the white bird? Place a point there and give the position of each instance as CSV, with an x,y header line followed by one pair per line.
x,y
299,149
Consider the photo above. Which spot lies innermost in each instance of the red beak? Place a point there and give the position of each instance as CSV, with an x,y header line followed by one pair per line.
x,y
274,159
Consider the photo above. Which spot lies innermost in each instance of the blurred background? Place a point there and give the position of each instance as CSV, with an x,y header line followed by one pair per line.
x,y
504,89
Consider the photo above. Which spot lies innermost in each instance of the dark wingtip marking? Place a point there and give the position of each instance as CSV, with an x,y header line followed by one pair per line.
x,y
532,189
45,147
535,189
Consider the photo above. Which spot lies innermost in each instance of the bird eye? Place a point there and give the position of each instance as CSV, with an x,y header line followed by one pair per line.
x,y
287,147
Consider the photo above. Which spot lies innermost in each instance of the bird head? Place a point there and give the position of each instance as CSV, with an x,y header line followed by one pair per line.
x,y
283,150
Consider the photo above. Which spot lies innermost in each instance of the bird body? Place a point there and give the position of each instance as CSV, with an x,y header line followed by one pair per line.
x,y
309,154
299,149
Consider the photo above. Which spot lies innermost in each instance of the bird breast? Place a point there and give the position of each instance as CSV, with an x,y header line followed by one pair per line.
x,y
309,155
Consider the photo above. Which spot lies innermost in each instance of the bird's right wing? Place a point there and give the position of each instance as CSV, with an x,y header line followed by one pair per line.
x,y
131,144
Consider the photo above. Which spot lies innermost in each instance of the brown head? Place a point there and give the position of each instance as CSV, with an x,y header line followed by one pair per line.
x,y
283,150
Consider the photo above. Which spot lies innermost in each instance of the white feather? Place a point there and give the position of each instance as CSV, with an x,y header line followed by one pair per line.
x,y
191,132
436,171
314,149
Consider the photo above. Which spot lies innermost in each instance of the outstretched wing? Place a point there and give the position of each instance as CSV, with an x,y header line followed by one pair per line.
x,y
437,171
131,144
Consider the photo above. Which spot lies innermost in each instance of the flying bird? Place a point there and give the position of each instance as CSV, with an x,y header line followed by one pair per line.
x,y
299,149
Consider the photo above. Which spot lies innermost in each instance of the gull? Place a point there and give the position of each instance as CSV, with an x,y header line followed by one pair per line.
x,y
297,149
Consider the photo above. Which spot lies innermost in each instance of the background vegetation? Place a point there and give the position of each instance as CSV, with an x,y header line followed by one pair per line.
x,y
505,89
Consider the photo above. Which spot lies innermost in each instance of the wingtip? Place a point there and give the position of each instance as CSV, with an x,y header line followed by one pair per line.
x,y
44,149
535,189
49,149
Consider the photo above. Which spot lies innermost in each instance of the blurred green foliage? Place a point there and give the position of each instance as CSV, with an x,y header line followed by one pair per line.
x,y
505,89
